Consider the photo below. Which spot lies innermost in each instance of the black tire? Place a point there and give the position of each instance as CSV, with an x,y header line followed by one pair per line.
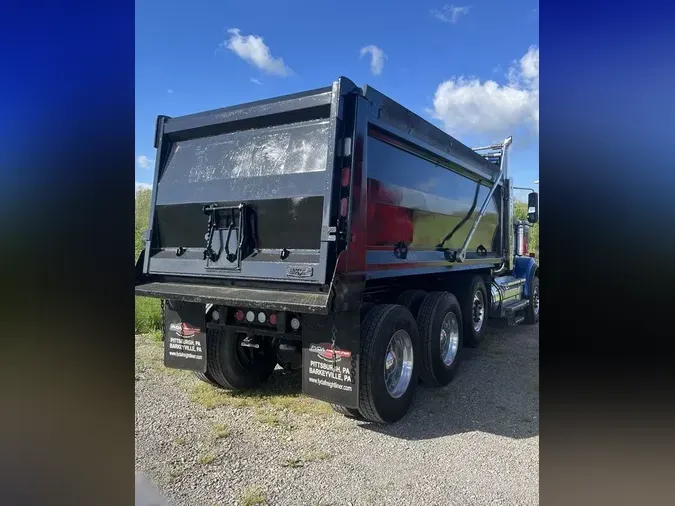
x,y
532,312
472,337
435,307
206,378
348,412
234,367
375,402
412,299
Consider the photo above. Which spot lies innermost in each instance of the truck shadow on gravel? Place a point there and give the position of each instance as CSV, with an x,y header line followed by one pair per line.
x,y
496,391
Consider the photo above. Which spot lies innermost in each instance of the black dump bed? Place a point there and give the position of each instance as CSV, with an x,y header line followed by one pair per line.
x,y
248,195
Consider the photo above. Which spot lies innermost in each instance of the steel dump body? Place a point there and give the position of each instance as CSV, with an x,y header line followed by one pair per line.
x,y
278,227
339,181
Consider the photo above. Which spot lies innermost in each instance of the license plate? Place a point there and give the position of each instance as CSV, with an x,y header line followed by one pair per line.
x,y
185,336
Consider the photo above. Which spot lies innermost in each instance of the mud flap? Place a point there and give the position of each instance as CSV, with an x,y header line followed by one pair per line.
x,y
184,336
330,369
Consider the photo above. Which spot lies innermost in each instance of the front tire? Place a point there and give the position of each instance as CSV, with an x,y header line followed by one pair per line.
x,y
235,367
388,368
474,303
532,311
440,322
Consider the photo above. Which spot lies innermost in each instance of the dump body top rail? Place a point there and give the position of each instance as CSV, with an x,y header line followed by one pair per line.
x,y
401,120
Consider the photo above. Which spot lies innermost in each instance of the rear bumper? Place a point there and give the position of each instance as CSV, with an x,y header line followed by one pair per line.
x,y
278,300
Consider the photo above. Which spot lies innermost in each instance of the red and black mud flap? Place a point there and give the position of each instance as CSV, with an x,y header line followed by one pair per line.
x,y
330,370
184,336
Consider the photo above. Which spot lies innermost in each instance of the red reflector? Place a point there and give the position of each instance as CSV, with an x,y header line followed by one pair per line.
x,y
273,319
239,315
532,255
345,176
343,206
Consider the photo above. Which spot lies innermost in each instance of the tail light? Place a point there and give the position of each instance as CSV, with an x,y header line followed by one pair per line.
x,y
273,319
262,317
239,315
345,176
343,206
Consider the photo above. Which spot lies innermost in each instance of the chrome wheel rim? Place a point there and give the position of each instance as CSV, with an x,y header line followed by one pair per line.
x,y
478,311
398,363
449,338
535,300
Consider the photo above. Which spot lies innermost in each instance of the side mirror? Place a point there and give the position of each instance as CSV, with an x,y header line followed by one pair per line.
x,y
533,207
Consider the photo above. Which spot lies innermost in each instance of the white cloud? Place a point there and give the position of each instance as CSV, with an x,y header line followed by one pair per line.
x,y
144,162
377,58
142,186
451,13
253,50
255,81
467,105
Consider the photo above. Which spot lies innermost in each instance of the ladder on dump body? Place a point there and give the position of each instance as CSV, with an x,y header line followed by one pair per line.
x,y
497,154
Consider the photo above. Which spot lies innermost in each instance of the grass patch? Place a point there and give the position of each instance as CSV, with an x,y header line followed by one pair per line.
x,y
300,404
207,458
155,335
315,456
292,463
148,355
279,395
175,472
176,372
148,315
221,431
267,417
253,496
179,441
211,397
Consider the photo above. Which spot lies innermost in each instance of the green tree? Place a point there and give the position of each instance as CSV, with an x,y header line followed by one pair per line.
x,y
148,311
520,213
142,217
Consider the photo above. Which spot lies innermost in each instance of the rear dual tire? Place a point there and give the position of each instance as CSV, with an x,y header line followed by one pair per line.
x,y
396,349
388,368
440,325
234,367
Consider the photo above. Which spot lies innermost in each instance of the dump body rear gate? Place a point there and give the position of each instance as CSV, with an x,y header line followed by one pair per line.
x,y
246,193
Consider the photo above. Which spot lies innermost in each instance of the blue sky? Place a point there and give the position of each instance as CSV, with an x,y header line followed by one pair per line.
x,y
472,68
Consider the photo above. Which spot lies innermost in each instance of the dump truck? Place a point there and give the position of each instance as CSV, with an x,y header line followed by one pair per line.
x,y
336,232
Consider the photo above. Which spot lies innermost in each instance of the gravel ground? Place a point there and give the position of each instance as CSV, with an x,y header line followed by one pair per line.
x,y
475,441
